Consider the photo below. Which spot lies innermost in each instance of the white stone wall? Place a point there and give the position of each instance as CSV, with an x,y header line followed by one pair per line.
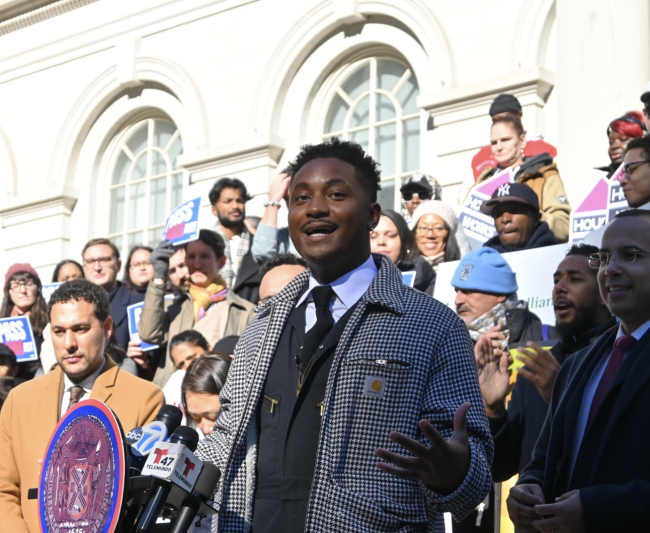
x,y
244,82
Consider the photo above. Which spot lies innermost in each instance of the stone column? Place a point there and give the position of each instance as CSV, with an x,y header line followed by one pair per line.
x,y
603,65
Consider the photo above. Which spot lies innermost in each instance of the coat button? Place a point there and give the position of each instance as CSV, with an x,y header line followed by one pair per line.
x,y
320,347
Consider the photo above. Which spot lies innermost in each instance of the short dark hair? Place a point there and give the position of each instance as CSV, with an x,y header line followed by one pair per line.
x,y
101,240
365,167
227,183
61,264
82,289
279,260
582,249
206,375
189,336
213,240
408,248
640,142
7,356
634,213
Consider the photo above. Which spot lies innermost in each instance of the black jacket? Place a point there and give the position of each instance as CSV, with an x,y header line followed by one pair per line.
x,y
425,276
525,326
613,468
543,236
121,298
516,431
609,169
247,282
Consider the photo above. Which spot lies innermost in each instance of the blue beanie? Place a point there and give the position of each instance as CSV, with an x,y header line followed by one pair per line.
x,y
485,270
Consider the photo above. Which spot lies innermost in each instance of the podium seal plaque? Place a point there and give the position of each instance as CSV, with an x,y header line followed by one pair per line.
x,y
84,472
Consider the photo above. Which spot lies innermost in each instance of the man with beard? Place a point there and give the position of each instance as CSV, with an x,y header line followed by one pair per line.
x,y
581,316
228,198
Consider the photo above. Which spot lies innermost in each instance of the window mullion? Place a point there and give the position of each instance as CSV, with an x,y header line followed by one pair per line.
x,y
373,108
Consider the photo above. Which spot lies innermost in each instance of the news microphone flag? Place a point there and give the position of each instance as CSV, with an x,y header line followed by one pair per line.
x,y
175,462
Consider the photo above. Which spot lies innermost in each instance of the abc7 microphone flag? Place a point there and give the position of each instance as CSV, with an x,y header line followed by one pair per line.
x,y
83,476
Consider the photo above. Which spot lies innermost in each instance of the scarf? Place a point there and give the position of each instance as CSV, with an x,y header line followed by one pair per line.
x,y
231,268
203,298
494,317
435,260
17,312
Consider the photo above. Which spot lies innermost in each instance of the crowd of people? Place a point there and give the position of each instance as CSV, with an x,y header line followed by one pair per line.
x,y
334,397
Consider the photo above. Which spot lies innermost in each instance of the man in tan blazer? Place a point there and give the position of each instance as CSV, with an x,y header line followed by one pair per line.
x,y
80,322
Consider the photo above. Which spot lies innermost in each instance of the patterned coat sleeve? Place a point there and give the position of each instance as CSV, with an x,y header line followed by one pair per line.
x,y
453,380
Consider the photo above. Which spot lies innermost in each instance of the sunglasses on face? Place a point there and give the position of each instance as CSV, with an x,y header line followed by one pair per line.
x,y
422,195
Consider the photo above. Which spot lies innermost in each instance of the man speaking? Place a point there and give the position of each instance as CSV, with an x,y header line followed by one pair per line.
x,y
353,402
81,325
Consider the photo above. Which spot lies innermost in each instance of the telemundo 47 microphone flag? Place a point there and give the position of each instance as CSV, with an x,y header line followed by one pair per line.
x,y
83,477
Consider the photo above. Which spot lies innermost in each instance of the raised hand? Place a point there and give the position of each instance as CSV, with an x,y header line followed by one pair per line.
x,y
441,466
160,259
493,375
541,369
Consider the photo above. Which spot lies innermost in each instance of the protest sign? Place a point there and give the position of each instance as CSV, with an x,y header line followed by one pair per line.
x,y
478,226
16,333
409,277
602,203
534,269
48,289
133,316
183,224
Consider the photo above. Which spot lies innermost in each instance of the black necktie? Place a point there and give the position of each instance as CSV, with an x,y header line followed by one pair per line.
x,y
324,322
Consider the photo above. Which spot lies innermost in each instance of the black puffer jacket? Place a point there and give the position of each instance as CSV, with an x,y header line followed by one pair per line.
x,y
425,276
543,236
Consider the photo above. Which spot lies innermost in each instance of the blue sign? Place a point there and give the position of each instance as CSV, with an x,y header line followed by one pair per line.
x,y
16,333
409,278
133,315
48,289
183,224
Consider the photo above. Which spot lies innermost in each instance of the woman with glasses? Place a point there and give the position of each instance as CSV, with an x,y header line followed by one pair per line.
x,y
539,172
620,132
22,297
138,272
393,238
437,234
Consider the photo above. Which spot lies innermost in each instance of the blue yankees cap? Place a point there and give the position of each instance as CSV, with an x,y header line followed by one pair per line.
x,y
511,192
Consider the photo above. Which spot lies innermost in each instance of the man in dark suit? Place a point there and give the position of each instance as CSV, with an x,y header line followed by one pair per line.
x,y
101,261
591,468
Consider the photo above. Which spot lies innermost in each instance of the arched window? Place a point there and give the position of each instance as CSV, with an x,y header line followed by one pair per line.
x,y
146,183
374,104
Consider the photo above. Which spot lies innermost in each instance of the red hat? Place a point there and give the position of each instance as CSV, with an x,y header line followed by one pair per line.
x,y
17,268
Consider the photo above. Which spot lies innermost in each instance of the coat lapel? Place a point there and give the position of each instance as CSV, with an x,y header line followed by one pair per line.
x,y
52,394
103,387
632,377
577,385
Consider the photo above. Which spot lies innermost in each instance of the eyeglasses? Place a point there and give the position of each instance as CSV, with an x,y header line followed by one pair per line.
x,y
422,195
624,256
27,283
103,261
438,230
140,264
628,168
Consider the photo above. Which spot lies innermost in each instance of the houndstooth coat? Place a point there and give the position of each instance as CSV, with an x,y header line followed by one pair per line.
x,y
421,353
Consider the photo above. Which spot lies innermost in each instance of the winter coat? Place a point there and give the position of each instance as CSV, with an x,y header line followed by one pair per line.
x,y
423,354
425,276
540,173
543,236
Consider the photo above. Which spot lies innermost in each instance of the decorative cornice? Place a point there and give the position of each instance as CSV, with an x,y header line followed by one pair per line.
x,y
41,14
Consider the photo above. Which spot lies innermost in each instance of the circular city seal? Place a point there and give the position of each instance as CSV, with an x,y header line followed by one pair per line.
x,y
84,472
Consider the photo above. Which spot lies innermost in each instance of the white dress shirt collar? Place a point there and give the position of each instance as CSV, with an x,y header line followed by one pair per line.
x,y
86,384
637,333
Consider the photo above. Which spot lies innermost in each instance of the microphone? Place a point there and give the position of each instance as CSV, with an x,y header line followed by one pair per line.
x,y
142,440
205,486
171,461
